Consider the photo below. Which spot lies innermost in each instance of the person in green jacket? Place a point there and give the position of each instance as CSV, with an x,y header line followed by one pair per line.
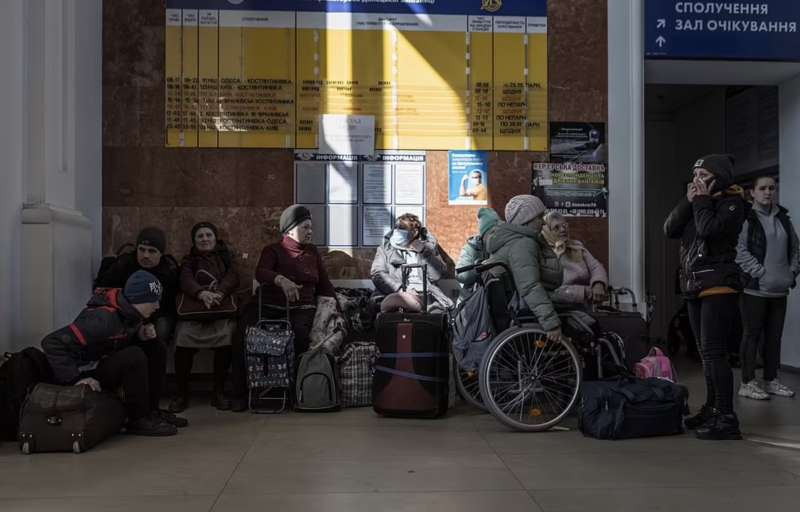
x,y
535,268
475,251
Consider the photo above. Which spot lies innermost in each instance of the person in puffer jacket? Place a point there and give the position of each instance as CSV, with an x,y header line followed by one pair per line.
x,y
109,346
708,222
535,269
769,254
475,251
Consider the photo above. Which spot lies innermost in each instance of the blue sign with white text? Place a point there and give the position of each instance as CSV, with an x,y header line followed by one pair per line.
x,y
723,30
463,7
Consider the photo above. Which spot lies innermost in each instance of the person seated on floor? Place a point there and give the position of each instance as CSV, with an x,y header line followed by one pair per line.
x,y
109,346
585,280
474,251
208,277
535,269
410,243
291,274
150,256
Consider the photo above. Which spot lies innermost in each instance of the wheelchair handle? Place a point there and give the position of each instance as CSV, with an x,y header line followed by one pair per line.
x,y
481,267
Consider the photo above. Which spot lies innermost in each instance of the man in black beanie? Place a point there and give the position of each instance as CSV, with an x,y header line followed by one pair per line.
x,y
150,256
110,345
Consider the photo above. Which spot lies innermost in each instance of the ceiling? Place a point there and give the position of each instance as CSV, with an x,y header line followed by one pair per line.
x,y
719,72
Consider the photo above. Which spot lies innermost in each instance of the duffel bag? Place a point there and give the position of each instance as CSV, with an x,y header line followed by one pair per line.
x,y
627,407
68,418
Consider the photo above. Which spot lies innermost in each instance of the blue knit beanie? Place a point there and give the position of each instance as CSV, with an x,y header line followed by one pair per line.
x,y
142,288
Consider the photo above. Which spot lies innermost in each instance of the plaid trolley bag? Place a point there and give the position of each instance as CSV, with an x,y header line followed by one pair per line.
x,y
356,369
269,359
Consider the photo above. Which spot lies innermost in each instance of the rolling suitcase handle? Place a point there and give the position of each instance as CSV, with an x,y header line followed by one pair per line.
x,y
406,273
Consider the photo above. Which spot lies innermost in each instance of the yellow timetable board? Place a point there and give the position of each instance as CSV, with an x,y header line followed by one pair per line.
x,y
238,78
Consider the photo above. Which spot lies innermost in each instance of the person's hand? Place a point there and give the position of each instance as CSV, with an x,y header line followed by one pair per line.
x,y
147,332
207,298
290,289
702,188
599,294
217,299
554,335
691,191
92,383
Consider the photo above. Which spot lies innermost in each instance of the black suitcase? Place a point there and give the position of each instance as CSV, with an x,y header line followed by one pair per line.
x,y
411,374
68,418
631,327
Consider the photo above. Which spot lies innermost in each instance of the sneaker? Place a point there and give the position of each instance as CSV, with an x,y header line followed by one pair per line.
x,y
752,391
178,404
170,418
721,427
151,426
699,419
774,387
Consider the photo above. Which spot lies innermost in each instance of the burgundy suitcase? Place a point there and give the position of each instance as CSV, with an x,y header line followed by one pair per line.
x,y
411,374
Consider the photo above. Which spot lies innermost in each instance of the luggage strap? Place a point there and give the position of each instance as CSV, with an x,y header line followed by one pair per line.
x,y
409,355
408,375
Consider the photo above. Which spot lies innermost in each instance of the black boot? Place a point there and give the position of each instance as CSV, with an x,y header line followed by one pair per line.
x,y
150,426
239,405
178,404
698,420
721,427
219,401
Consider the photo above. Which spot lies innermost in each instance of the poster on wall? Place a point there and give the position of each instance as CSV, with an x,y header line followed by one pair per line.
x,y
578,142
468,178
572,189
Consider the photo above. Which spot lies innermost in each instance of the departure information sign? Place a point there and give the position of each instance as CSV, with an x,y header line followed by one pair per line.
x,y
435,74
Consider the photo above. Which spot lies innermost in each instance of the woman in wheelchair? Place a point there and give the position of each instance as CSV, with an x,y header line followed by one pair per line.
x,y
529,374
585,280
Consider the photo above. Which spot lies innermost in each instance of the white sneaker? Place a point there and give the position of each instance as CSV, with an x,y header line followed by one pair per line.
x,y
753,391
774,387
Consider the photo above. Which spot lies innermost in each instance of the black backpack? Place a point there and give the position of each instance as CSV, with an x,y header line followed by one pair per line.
x,y
19,373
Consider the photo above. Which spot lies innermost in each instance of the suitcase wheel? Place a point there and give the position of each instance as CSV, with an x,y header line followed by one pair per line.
x,y
76,446
26,448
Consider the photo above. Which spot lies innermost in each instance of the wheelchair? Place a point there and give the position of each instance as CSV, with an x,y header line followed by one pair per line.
x,y
527,382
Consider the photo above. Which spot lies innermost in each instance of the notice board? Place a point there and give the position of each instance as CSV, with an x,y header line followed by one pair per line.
x,y
439,74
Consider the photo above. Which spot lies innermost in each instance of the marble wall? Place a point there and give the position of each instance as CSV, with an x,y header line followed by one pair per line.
x,y
244,190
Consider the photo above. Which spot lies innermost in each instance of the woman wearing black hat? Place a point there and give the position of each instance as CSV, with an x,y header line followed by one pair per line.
x,y
290,272
208,275
707,222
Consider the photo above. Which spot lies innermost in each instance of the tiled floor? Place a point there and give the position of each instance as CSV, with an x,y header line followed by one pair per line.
x,y
354,461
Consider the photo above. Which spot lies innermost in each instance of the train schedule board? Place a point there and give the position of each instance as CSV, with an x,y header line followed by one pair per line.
x,y
439,74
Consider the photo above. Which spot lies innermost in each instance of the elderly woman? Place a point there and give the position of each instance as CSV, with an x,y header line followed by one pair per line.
x,y
585,280
291,274
409,243
208,277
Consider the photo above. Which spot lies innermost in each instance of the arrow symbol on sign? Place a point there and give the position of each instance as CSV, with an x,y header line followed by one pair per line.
x,y
660,41
661,23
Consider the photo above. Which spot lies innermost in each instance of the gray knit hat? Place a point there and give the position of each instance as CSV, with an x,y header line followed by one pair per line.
x,y
524,208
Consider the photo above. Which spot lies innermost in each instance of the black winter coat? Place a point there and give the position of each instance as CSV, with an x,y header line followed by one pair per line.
x,y
166,272
708,229
107,324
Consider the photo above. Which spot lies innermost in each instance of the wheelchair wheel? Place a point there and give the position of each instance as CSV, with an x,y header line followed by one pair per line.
x,y
527,382
468,386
